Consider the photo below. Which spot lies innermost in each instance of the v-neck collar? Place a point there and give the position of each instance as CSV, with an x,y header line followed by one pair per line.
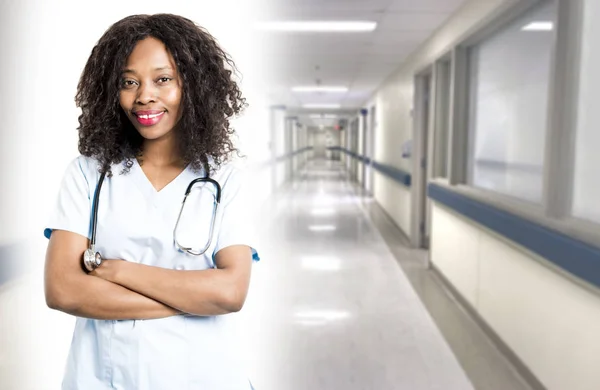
x,y
146,186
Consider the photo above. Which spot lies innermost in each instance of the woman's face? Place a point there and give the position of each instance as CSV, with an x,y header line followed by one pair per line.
x,y
151,90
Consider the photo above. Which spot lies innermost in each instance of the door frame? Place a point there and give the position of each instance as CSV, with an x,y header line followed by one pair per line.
x,y
423,125
370,125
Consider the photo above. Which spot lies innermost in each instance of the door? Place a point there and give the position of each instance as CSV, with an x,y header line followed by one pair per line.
x,y
371,132
422,123
320,150
423,179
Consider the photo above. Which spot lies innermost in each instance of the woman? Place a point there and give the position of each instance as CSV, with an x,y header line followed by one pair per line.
x,y
156,96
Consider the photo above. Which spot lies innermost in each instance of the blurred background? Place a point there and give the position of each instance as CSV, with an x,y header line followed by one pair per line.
x,y
423,178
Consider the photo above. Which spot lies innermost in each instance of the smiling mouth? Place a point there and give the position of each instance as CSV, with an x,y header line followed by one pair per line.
x,y
149,119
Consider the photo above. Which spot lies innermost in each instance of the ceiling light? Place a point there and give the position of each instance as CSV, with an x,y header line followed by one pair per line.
x,y
330,116
322,228
316,116
325,106
539,26
320,89
318,26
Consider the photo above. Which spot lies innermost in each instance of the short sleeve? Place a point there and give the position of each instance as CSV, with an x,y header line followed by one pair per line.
x,y
72,208
236,223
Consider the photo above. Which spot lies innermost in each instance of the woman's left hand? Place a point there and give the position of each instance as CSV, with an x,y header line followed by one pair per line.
x,y
109,269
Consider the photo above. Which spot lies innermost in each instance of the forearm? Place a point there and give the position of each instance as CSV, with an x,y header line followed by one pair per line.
x,y
92,297
203,293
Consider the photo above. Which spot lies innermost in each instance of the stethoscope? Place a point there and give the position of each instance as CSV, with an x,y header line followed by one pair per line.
x,y
93,259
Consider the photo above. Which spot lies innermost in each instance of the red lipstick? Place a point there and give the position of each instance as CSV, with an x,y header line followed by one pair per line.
x,y
148,117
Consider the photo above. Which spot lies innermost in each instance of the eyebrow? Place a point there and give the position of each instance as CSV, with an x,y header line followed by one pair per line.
x,y
155,69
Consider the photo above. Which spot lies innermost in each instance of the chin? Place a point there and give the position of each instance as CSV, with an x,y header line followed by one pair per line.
x,y
152,134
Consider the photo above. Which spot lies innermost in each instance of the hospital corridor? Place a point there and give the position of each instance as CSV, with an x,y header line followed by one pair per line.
x,y
418,181
351,300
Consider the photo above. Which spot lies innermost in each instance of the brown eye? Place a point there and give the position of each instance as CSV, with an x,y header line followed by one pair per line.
x,y
163,80
127,83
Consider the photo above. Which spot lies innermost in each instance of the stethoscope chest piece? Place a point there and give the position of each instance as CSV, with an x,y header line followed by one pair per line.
x,y
91,259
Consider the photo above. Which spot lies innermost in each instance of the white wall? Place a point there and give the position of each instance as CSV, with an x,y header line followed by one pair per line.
x,y
279,126
547,319
359,151
10,158
354,146
343,138
300,142
394,101
45,46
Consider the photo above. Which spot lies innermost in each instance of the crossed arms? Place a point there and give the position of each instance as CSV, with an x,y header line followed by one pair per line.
x,y
120,290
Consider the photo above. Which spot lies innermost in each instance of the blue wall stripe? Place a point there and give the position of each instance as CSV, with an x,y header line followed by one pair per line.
x,y
576,257
291,154
394,173
398,175
11,262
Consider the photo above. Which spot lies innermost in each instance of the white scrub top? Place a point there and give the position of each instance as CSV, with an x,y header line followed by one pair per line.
x,y
135,223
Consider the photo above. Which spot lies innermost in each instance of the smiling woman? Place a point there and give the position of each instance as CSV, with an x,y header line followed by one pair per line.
x,y
156,97
159,63
150,73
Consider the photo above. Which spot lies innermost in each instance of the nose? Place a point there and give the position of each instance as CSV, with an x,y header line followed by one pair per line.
x,y
146,94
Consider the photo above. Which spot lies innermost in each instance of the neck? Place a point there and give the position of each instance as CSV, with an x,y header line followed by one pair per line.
x,y
161,153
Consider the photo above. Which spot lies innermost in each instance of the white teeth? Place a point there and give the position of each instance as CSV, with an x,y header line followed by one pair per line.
x,y
150,116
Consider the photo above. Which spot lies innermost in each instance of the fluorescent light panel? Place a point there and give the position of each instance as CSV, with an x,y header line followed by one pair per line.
x,y
539,26
324,106
321,116
318,26
332,89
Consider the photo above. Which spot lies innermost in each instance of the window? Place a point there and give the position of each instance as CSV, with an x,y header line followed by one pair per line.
x,y
586,188
509,75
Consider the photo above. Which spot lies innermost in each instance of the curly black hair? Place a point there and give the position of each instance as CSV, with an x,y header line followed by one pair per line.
x,y
210,96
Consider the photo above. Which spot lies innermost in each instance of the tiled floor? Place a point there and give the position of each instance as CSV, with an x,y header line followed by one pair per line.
x,y
337,311
485,365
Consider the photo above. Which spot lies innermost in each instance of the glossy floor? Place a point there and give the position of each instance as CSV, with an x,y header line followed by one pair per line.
x,y
337,310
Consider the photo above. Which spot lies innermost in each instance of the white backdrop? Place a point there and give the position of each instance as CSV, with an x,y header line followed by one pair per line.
x,y
45,45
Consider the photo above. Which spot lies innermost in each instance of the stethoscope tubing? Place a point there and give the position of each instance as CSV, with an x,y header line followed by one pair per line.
x,y
95,207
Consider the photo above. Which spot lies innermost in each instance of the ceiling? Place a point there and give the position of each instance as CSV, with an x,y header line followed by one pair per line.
x,y
360,61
